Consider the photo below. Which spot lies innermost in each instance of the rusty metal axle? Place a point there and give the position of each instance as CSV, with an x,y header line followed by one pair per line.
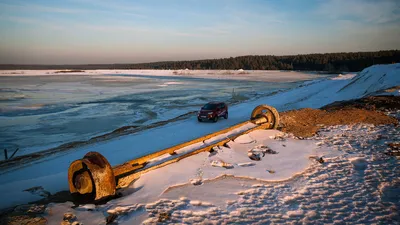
x,y
95,179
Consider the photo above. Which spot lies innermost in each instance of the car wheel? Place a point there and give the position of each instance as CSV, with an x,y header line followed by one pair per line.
x,y
215,119
226,115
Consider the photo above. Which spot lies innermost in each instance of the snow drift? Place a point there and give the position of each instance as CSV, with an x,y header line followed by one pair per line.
x,y
372,80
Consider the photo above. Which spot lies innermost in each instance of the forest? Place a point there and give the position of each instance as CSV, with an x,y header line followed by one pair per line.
x,y
328,62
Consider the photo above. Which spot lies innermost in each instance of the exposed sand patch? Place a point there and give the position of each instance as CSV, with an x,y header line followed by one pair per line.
x,y
306,122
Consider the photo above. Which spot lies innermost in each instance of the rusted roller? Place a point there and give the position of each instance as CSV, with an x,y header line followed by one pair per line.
x,y
265,114
92,177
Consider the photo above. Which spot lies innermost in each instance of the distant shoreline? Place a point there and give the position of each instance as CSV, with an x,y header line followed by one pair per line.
x,y
329,62
254,75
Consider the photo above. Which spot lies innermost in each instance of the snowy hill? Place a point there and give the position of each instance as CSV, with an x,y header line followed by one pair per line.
x,y
372,80
316,94
51,173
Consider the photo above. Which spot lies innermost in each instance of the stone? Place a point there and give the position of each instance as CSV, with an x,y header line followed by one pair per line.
x,y
69,217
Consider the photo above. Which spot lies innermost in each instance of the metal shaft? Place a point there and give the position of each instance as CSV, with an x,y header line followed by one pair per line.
x,y
93,175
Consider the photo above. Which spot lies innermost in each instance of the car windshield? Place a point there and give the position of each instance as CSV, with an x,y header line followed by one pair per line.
x,y
210,106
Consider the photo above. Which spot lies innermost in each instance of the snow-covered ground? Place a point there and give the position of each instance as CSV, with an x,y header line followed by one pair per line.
x,y
356,183
282,187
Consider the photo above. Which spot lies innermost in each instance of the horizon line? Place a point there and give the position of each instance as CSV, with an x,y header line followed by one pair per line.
x,y
191,60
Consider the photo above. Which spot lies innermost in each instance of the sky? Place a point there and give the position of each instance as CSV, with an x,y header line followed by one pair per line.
x,y
133,31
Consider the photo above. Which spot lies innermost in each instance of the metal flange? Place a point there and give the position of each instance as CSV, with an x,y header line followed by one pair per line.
x,y
265,114
92,177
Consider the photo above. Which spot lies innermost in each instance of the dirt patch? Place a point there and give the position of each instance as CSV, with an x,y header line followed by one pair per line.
x,y
31,214
306,122
24,219
381,103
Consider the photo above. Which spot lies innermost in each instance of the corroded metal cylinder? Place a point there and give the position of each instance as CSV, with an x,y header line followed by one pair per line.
x,y
92,177
265,114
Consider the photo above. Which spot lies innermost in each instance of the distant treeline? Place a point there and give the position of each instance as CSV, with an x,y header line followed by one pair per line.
x,y
330,62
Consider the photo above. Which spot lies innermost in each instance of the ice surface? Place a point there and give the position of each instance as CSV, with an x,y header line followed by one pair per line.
x,y
259,75
39,112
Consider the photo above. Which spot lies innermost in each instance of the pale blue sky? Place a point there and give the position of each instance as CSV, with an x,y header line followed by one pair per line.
x,y
116,31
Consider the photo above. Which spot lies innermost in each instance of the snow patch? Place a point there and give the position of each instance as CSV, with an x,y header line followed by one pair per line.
x,y
295,213
344,77
311,214
244,139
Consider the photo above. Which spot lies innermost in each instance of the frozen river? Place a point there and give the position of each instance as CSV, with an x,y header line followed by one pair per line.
x,y
43,111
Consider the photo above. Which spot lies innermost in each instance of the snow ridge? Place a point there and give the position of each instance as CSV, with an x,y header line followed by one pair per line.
x,y
372,80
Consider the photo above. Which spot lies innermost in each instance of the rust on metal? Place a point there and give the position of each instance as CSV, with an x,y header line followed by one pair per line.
x,y
93,176
73,169
83,184
138,163
123,180
265,114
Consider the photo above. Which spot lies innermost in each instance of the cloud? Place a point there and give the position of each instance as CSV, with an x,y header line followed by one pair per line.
x,y
365,11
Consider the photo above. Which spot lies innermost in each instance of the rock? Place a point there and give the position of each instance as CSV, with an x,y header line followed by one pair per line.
x,y
69,219
111,218
37,209
247,164
220,163
196,181
394,146
164,216
316,158
253,156
30,208
259,151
